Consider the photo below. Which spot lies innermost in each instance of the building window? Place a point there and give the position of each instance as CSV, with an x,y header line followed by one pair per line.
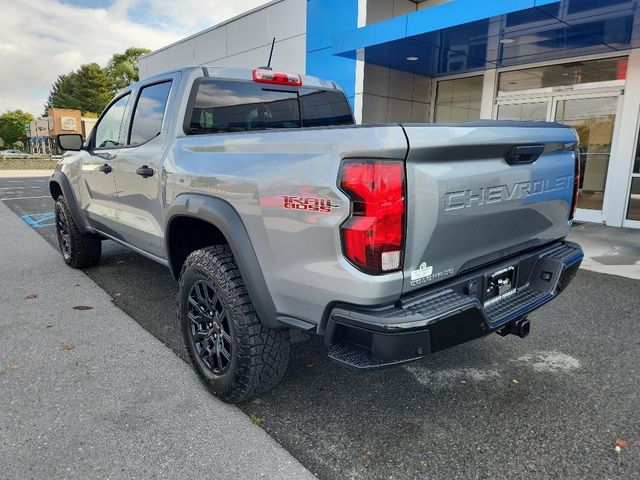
x,y
564,74
526,111
458,100
633,213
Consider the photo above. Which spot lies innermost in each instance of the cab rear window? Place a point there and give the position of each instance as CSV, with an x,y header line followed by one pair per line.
x,y
218,106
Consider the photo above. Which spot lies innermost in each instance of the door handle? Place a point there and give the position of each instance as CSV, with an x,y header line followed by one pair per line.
x,y
145,171
105,168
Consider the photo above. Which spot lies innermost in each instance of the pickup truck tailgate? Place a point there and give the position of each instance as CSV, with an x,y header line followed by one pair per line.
x,y
470,203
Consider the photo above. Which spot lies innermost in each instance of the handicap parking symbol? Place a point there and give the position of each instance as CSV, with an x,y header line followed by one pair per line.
x,y
39,220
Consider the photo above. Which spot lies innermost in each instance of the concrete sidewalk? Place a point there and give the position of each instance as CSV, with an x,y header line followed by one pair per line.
x,y
25,173
90,394
615,251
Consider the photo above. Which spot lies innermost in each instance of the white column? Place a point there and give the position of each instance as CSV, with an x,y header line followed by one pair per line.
x,y
359,86
488,94
624,147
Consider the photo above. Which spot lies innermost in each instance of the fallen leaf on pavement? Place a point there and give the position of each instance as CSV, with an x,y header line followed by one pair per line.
x,y
50,325
622,443
256,420
15,365
82,307
68,346
30,296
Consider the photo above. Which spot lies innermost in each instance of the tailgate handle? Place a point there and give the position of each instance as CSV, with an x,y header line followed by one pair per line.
x,y
524,154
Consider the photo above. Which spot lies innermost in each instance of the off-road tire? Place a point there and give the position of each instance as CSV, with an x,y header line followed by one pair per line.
x,y
259,355
79,250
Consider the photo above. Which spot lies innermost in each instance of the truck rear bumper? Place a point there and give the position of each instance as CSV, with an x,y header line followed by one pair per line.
x,y
452,313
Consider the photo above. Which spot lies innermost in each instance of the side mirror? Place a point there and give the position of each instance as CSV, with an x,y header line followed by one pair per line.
x,y
70,141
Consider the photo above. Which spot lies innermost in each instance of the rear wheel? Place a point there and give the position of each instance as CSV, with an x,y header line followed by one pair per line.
x,y
79,250
234,354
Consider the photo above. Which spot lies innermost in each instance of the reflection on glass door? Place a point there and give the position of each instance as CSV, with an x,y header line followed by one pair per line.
x,y
633,208
523,111
593,119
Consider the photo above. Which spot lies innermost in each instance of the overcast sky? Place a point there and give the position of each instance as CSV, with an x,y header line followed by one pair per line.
x,y
41,39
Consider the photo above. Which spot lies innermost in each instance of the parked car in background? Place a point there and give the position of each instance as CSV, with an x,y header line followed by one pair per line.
x,y
12,154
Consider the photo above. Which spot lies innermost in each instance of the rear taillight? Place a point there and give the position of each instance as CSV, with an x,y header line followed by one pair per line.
x,y
373,235
278,78
576,183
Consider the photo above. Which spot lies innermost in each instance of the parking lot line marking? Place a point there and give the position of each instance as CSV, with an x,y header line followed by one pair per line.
x,y
39,220
18,188
22,198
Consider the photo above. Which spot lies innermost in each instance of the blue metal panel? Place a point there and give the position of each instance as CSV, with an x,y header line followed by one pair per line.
x,y
381,32
468,35
539,3
341,70
324,19
460,12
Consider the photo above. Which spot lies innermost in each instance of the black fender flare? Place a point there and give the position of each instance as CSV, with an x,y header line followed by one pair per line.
x,y
225,218
60,179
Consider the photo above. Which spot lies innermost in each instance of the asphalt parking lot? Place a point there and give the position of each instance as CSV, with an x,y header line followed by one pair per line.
x,y
549,406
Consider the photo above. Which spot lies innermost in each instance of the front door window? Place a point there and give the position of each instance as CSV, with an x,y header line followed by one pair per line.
x,y
109,129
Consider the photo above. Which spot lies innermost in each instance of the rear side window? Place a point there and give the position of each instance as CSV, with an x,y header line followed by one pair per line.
x,y
149,112
231,106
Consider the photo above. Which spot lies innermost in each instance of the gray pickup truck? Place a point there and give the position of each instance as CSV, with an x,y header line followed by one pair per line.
x,y
275,212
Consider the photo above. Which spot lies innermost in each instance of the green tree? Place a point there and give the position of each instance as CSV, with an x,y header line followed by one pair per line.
x,y
87,89
63,93
122,69
13,126
92,88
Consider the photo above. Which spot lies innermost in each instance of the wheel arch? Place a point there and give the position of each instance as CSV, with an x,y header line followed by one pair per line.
x,y
222,224
59,185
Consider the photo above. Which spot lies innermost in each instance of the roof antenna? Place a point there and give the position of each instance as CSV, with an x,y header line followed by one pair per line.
x,y
268,67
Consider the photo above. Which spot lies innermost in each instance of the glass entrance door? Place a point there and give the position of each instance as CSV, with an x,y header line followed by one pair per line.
x,y
535,110
593,117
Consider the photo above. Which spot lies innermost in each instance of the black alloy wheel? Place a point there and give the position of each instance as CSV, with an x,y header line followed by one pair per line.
x,y
209,327
234,354
64,236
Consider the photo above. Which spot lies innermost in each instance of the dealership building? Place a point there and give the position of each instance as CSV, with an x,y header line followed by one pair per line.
x,y
572,61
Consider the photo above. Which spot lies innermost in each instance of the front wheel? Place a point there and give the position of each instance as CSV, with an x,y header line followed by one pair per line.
x,y
235,355
79,250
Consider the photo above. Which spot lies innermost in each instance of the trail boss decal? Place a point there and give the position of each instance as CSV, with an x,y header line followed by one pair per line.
x,y
308,204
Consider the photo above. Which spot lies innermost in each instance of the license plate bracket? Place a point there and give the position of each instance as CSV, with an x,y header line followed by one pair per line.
x,y
499,284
